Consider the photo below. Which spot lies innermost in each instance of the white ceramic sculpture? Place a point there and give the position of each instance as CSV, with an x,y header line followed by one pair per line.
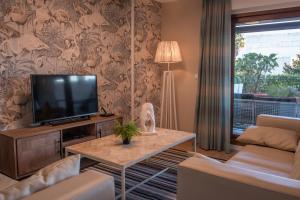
x,y
147,119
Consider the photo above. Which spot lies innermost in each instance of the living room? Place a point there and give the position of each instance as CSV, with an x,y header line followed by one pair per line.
x,y
149,99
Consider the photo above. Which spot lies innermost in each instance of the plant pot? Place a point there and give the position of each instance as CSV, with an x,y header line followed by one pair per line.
x,y
126,141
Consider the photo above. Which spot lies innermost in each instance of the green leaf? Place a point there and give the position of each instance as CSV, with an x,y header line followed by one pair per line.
x,y
252,69
126,131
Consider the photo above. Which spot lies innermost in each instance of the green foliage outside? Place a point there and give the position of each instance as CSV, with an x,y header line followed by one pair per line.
x,y
283,85
294,68
283,80
280,91
239,42
252,69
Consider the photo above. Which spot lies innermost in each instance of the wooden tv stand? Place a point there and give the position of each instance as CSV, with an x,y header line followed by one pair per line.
x,y
24,151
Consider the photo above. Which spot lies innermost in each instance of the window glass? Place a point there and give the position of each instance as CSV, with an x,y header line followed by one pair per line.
x,y
266,71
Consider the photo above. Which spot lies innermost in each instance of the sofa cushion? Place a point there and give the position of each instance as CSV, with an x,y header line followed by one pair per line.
x,y
89,185
252,135
272,137
264,159
295,173
61,170
44,178
23,188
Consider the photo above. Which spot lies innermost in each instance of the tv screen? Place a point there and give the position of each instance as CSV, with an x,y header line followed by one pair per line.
x,y
57,97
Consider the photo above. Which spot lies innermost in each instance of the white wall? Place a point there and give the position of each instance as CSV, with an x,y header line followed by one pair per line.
x,y
242,6
181,22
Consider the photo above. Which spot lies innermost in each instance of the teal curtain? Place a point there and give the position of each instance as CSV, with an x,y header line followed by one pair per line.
x,y
213,112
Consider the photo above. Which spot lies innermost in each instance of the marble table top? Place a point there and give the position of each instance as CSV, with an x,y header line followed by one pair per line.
x,y
110,149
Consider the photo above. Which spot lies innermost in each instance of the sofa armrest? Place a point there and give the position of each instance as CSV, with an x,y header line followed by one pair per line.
x,y
210,179
90,185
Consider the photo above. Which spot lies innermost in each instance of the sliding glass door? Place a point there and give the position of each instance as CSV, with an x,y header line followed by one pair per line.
x,y
266,70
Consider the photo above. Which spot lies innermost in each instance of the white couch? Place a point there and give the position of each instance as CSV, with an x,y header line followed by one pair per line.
x,y
256,172
89,185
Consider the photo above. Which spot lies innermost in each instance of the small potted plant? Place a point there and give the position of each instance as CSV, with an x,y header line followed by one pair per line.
x,y
126,131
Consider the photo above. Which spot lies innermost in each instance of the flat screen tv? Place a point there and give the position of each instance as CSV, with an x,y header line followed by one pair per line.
x,y
60,97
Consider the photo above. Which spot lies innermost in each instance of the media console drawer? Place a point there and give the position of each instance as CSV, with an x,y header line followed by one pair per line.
x,y
36,152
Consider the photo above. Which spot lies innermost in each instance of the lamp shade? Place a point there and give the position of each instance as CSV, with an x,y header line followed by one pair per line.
x,y
168,52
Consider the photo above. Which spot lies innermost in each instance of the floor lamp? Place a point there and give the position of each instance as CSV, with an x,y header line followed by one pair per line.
x,y
168,52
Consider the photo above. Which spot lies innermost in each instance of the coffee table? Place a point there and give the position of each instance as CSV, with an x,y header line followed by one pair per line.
x,y
112,152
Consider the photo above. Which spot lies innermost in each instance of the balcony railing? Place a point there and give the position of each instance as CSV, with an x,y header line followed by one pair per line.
x,y
246,111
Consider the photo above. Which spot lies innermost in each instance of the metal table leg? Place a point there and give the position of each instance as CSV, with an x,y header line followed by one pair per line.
x,y
123,184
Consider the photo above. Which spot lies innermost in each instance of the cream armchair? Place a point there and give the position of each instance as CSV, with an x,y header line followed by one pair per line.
x,y
207,179
256,172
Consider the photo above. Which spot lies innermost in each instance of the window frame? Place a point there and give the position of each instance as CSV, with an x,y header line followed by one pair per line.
x,y
252,17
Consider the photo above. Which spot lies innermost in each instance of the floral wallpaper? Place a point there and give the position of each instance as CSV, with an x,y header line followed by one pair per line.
x,y
77,37
148,74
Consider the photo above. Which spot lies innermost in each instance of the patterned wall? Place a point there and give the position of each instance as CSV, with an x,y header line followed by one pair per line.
x,y
77,37
147,73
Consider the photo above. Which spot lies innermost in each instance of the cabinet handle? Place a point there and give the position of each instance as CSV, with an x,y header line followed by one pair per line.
x,y
57,146
100,133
